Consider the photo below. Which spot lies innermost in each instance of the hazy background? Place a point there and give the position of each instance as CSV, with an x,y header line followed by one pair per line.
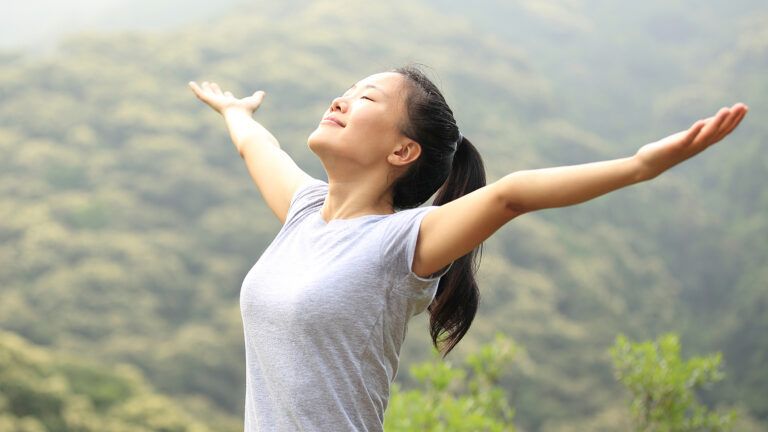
x,y
127,221
40,24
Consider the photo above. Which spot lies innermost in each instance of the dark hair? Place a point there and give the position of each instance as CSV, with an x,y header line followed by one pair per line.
x,y
451,174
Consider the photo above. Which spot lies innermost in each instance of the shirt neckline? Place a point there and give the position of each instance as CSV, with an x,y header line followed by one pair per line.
x,y
319,216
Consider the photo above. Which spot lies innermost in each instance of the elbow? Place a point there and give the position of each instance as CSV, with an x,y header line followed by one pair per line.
x,y
510,201
515,208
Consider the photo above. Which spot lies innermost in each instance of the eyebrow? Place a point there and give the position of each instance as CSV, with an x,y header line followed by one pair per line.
x,y
368,86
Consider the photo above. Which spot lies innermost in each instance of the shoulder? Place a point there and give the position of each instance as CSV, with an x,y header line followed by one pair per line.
x,y
400,240
403,222
310,188
307,197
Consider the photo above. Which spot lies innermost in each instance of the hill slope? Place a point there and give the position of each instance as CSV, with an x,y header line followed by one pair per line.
x,y
130,221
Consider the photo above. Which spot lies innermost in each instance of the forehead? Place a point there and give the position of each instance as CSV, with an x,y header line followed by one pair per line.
x,y
390,82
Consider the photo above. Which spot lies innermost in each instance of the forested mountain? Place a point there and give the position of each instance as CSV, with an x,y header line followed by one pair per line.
x,y
45,392
127,220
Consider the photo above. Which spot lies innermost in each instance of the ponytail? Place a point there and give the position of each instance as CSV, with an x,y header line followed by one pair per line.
x,y
452,172
455,304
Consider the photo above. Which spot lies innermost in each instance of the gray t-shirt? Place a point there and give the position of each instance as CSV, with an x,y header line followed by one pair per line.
x,y
325,310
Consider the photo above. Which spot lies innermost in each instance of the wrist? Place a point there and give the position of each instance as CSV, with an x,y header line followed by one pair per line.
x,y
236,111
642,169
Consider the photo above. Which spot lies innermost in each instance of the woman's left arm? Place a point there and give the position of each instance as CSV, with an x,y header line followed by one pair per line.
x,y
459,226
532,190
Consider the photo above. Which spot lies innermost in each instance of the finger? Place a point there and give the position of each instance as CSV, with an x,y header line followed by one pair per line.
x,y
730,124
257,97
215,87
727,125
694,131
737,113
228,94
206,86
196,88
712,126
740,105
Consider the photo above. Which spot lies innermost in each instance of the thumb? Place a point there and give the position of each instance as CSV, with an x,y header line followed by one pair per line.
x,y
259,95
256,98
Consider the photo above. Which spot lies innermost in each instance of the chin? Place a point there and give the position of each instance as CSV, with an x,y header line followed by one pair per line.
x,y
316,143
312,141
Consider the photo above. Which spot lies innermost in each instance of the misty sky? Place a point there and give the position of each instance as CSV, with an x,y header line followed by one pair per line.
x,y
35,24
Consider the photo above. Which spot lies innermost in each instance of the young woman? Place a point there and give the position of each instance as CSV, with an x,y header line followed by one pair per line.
x,y
326,307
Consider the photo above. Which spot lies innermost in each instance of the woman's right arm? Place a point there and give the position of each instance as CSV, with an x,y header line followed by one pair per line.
x,y
276,175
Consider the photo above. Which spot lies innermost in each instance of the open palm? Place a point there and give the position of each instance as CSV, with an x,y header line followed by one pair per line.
x,y
665,153
213,96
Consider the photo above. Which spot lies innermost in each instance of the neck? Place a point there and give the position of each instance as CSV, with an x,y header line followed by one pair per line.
x,y
350,197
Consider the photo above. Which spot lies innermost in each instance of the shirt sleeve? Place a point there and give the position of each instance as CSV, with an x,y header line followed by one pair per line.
x,y
309,196
398,250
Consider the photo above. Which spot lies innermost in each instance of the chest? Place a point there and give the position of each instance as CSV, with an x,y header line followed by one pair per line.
x,y
317,278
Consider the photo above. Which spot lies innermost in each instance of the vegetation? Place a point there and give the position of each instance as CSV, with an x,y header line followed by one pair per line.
x,y
43,392
127,221
662,386
455,399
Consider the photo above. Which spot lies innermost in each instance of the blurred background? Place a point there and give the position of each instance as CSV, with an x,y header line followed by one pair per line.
x,y
128,221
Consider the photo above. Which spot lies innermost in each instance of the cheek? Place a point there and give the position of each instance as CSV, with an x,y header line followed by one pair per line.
x,y
376,122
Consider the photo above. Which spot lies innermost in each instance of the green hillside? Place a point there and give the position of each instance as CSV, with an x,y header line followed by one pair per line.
x,y
45,392
127,220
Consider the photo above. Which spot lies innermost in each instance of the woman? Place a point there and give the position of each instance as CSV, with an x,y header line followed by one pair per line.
x,y
326,307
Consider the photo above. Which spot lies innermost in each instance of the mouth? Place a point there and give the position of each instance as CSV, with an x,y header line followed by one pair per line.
x,y
332,120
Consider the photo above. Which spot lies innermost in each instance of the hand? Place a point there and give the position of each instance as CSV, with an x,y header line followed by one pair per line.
x,y
659,156
211,94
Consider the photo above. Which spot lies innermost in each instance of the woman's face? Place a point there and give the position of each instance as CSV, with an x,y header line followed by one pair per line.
x,y
367,122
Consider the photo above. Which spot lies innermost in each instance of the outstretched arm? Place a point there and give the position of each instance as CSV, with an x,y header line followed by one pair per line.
x,y
459,226
532,190
276,175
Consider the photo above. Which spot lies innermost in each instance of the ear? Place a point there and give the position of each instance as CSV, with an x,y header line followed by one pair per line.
x,y
405,153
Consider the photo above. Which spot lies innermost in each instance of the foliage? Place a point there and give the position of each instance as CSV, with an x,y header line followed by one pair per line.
x,y
663,385
468,398
46,392
127,220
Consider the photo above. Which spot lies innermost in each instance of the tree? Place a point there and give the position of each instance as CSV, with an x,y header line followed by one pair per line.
x,y
466,398
663,386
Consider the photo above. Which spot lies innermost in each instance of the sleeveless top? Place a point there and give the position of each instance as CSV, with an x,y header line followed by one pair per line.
x,y
325,311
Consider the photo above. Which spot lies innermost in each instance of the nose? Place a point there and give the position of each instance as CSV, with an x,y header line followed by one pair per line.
x,y
339,104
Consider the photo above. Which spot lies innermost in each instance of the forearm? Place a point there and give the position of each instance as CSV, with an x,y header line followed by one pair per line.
x,y
531,190
245,131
